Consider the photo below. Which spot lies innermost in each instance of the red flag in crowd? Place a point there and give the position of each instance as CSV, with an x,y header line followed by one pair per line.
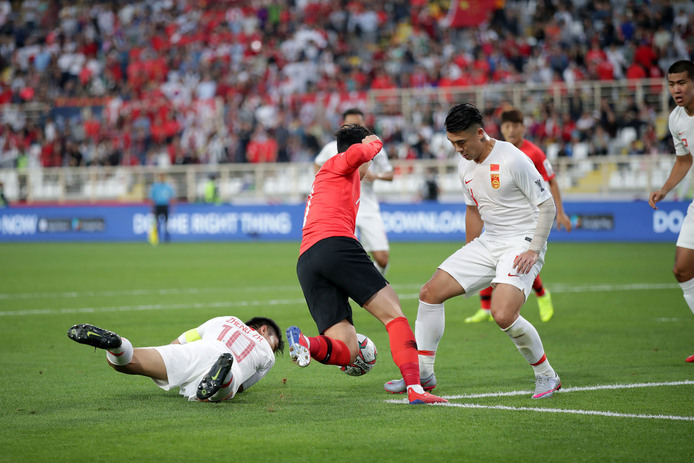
x,y
467,13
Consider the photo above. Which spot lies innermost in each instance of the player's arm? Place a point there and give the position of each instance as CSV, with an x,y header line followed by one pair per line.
x,y
562,219
382,169
357,155
316,168
525,260
385,176
473,223
679,171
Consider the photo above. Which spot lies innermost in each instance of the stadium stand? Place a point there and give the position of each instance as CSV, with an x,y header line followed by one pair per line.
x,y
172,82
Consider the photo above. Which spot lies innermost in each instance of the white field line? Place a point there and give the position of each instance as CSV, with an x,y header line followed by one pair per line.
x,y
134,308
558,288
566,411
253,302
564,390
574,412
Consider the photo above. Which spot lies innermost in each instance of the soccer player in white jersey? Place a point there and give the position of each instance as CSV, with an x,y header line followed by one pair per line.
x,y
507,197
370,227
680,79
212,362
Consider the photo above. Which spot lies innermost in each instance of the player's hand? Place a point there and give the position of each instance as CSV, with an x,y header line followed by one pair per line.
x,y
525,261
563,220
370,176
370,138
655,197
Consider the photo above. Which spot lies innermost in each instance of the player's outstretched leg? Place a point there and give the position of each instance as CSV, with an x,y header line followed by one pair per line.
x,y
213,381
94,336
546,385
397,386
299,350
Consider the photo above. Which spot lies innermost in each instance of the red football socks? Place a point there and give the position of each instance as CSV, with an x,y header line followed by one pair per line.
x,y
403,347
329,351
537,286
486,299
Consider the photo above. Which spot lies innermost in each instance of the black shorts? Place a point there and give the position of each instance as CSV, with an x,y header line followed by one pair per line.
x,y
161,211
332,271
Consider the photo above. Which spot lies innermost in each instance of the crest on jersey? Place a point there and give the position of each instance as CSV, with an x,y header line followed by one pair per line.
x,y
496,183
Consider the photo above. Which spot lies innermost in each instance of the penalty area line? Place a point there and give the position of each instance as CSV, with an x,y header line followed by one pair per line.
x,y
566,411
572,412
564,390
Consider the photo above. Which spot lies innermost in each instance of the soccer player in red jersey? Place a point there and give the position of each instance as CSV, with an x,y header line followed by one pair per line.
x,y
513,130
333,267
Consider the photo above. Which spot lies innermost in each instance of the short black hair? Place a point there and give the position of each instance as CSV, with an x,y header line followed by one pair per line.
x,y
682,65
257,322
350,134
461,117
352,112
512,115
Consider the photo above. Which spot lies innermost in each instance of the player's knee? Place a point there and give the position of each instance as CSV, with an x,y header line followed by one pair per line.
x,y
682,273
429,295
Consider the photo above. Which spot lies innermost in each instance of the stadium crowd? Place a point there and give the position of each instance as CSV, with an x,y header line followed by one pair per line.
x,y
162,82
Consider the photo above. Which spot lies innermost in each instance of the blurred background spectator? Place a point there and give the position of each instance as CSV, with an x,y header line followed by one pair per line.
x,y
147,83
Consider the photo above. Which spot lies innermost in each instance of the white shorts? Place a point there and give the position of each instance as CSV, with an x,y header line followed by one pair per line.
x,y
686,236
483,262
186,364
371,231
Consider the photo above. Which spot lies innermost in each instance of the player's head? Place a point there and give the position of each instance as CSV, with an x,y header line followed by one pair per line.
x,y
353,116
512,127
349,135
680,80
273,331
464,130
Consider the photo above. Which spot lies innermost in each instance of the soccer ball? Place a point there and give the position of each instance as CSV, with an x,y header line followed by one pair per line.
x,y
365,360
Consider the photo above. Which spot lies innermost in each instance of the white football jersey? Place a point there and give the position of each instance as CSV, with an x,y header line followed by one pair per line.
x,y
379,165
682,130
506,188
252,353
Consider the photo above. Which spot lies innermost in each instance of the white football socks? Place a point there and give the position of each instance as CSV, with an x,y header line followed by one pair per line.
x,y
121,355
428,331
688,290
527,341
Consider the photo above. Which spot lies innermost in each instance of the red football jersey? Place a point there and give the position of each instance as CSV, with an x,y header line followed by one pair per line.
x,y
537,156
331,209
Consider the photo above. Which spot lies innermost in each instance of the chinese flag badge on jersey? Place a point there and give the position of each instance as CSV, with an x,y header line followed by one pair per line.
x,y
496,183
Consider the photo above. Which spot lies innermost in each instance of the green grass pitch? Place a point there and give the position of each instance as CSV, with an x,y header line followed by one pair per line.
x,y
620,320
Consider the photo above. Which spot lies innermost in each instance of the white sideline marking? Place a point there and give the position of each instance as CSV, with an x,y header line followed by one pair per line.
x,y
129,308
559,288
573,412
564,390
561,410
258,290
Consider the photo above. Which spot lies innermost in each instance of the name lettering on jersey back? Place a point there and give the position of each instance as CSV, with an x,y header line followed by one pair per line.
x,y
246,330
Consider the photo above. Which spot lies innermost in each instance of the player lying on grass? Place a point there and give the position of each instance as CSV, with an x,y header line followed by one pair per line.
x,y
212,362
334,267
